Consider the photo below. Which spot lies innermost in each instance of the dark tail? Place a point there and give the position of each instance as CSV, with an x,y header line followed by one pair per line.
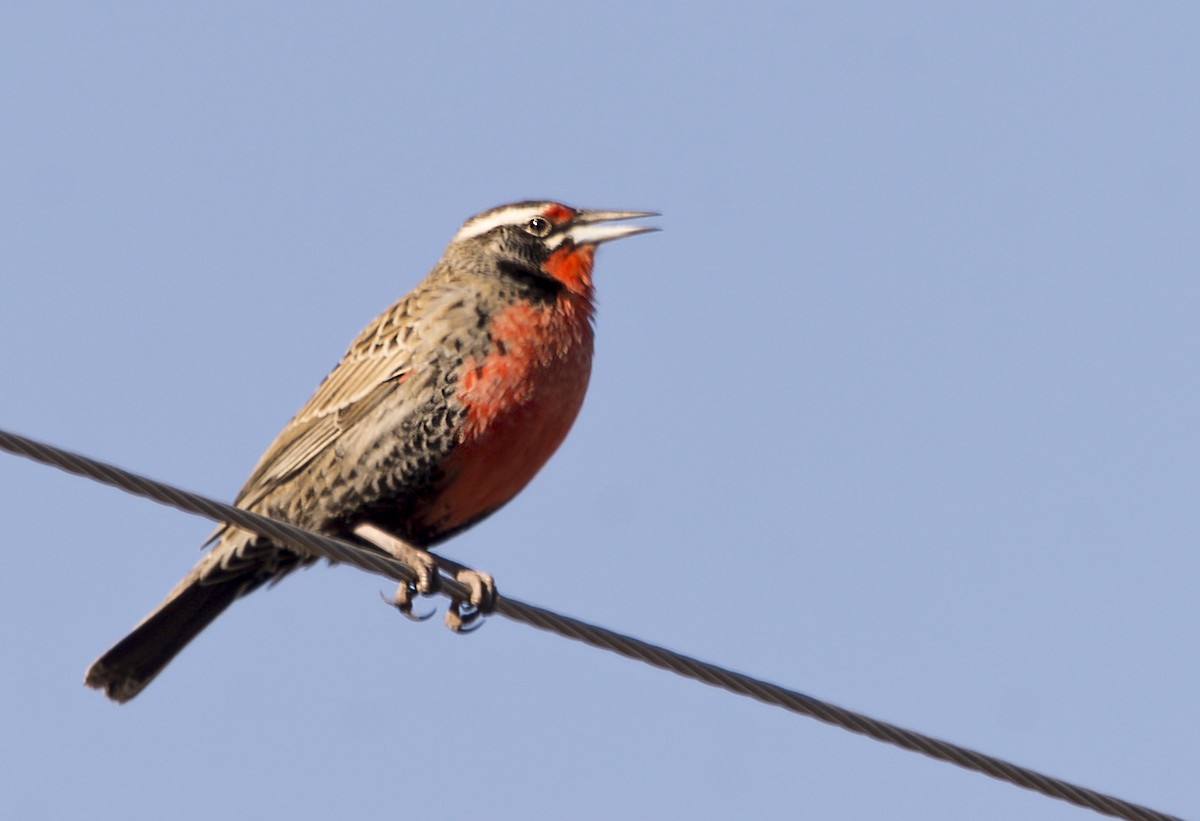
x,y
135,660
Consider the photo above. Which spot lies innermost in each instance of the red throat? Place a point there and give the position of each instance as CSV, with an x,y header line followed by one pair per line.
x,y
572,266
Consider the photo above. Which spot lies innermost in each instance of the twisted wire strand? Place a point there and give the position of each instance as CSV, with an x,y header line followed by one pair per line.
x,y
365,559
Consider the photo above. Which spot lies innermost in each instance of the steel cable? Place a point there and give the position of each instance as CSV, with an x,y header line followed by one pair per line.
x,y
342,551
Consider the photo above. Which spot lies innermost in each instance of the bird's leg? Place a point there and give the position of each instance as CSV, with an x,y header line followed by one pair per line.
x,y
422,563
460,614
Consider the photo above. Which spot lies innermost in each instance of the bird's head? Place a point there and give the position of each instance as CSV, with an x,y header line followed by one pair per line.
x,y
545,240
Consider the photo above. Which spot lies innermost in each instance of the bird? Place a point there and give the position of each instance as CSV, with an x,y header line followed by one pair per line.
x,y
442,409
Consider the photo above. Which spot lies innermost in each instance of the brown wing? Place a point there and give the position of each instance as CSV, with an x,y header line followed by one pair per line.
x,y
399,342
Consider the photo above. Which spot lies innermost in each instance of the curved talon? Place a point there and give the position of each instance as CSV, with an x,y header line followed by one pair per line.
x,y
463,618
418,617
402,601
469,628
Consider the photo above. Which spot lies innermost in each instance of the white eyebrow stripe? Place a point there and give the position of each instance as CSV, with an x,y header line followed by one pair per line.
x,y
505,216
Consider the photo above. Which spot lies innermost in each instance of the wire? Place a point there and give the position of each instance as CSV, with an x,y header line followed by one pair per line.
x,y
341,551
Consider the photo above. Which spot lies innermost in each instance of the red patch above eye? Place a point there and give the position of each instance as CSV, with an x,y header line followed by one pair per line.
x,y
558,213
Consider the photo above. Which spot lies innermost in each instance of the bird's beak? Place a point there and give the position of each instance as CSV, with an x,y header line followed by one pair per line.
x,y
590,228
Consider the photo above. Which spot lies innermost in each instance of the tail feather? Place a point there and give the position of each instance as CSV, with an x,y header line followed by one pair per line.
x,y
135,660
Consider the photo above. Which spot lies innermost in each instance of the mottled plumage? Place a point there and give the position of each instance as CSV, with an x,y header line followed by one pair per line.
x,y
442,409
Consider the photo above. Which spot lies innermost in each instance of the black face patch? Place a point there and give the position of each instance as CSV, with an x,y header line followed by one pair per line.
x,y
531,280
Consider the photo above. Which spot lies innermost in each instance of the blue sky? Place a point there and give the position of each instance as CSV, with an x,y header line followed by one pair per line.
x,y
899,409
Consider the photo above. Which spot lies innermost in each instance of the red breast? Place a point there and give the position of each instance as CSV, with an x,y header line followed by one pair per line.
x,y
521,397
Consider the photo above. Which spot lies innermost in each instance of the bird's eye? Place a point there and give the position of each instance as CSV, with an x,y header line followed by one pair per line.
x,y
538,226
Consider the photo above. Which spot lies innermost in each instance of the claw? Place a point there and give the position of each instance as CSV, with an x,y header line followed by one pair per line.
x,y
463,618
402,601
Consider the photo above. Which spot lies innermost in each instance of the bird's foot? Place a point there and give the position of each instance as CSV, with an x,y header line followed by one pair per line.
x,y
463,616
421,562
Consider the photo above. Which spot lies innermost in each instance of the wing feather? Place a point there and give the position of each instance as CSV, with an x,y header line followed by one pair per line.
x,y
383,355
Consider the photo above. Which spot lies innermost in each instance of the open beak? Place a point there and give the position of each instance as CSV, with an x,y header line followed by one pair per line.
x,y
592,228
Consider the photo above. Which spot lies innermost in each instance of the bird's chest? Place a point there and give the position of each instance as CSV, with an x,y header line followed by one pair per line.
x,y
520,398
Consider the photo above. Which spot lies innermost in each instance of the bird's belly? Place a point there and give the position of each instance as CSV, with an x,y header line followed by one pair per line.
x,y
520,405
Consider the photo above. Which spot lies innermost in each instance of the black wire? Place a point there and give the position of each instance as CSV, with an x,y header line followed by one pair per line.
x,y
342,551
